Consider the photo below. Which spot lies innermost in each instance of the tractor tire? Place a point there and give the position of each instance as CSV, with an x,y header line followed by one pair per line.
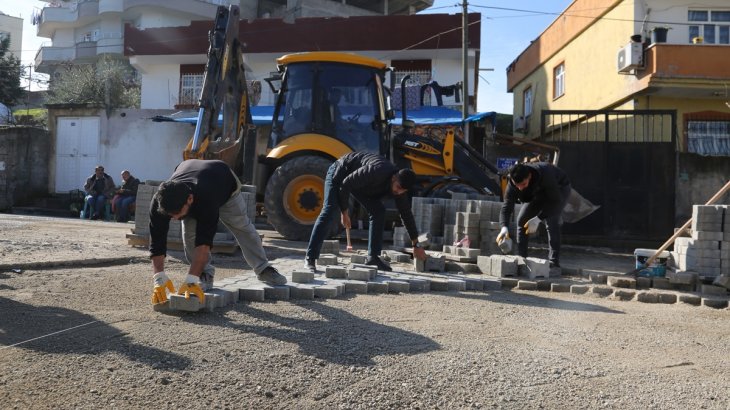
x,y
294,196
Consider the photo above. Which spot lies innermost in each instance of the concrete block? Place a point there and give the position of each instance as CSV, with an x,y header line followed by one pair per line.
x,y
681,277
419,285
579,289
302,276
355,286
252,294
624,294
327,259
378,287
535,268
475,284
398,286
668,298
722,281
543,285
527,285
643,282
660,283
621,282
713,290
358,259
335,272
372,270
597,277
325,292
503,266
560,287
179,302
707,236
647,297
276,292
213,301
715,303
439,285
298,291
358,274
602,291
331,247
485,264
508,283
228,294
690,299
491,284
457,285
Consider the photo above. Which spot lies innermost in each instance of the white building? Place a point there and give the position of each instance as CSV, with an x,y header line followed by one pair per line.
x,y
12,27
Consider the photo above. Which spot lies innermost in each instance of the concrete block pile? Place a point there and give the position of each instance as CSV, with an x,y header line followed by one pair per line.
x,y
145,192
706,255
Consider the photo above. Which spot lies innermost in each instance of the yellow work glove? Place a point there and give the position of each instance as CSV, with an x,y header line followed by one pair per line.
x,y
163,284
532,224
192,286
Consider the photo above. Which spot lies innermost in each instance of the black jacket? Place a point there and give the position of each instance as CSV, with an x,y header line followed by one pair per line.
x,y
369,175
212,184
546,186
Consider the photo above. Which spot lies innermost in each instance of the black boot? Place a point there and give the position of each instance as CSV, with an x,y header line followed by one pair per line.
x,y
378,263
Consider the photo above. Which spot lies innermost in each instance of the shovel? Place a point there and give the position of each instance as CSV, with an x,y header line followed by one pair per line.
x,y
679,232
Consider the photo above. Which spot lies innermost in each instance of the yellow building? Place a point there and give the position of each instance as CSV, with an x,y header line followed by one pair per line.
x,y
586,60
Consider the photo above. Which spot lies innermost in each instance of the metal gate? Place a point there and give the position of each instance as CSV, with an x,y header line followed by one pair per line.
x,y
622,160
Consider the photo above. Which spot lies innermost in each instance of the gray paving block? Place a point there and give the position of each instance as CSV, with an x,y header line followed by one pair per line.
x,y
579,289
300,291
276,292
647,297
722,281
602,291
527,285
508,283
660,283
358,274
398,286
667,298
179,302
419,285
302,276
690,299
252,294
643,282
456,284
624,294
228,294
715,303
358,259
491,284
327,259
335,272
377,287
596,276
713,290
485,264
474,284
621,282
325,292
535,268
213,301
681,277
355,286
543,285
439,285
560,287
503,266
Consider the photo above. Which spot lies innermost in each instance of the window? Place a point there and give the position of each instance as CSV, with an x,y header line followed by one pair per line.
x,y
527,102
712,25
190,87
709,137
559,81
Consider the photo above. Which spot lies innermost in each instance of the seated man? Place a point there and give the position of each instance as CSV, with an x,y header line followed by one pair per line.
x,y
125,197
99,187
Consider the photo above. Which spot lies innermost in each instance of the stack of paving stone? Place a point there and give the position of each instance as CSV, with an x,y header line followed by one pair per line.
x,y
400,237
706,255
145,192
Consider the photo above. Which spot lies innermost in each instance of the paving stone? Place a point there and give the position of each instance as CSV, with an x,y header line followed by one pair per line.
x,y
419,285
491,284
681,277
439,285
560,287
213,301
276,292
355,286
624,294
713,290
597,277
602,291
508,283
526,285
299,291
668,298
252,294
647,297
643,282
358,259
325,292
358,274
543,285
535,268
179,302
621,282
228,294
372,270
474,284
327,259
331,246
690,299
302,276
377,287
335,272
579,289
485,264
503,266
457,285
715,303
398,286
660,283
722,281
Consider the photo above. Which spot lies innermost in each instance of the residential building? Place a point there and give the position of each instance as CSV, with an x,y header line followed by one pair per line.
x,y
635,94
82,30
12,27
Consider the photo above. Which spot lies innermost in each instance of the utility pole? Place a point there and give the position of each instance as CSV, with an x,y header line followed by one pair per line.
x,y
465,66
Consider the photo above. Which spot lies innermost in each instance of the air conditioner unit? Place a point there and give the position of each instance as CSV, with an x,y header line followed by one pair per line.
x,y
629,57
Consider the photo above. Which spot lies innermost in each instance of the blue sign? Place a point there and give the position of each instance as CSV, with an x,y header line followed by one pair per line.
x,y
504,164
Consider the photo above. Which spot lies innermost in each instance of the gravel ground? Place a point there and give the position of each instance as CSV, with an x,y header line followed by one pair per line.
x,y
77,331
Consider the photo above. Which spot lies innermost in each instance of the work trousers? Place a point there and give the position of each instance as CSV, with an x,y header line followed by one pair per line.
x,y
331,212
96,204
233,215
552,225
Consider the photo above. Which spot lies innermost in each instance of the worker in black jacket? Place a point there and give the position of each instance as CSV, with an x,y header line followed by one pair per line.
x,y
369,178
199,193
544,189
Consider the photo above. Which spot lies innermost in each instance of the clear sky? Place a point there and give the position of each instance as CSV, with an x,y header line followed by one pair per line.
x,y
508,27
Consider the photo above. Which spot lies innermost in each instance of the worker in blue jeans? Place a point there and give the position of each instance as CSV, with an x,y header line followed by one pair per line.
x,y
369,178
99,188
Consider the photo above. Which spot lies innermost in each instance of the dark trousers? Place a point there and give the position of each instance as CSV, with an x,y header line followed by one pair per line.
x,y
331,212
552,224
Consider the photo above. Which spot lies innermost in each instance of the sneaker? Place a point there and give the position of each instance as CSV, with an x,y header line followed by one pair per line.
x,y
378,263
206,281
310,265
271,276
